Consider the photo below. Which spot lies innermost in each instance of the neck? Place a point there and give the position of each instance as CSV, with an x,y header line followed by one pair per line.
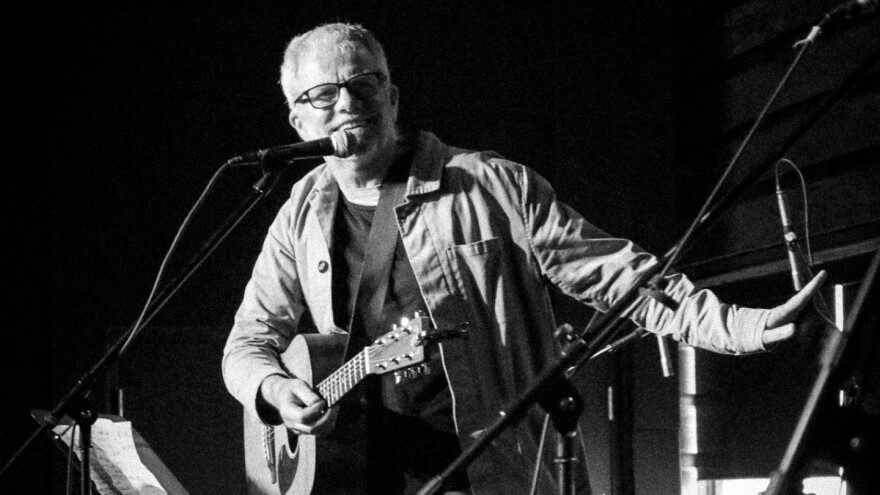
x,y
359,172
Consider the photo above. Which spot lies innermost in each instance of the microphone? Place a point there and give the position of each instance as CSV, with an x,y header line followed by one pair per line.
x,y
341,144
789,236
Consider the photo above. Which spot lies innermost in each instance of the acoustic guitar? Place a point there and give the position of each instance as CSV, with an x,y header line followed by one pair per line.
x,y
279,462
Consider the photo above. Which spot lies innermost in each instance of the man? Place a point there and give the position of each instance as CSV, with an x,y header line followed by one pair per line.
x,y
478,240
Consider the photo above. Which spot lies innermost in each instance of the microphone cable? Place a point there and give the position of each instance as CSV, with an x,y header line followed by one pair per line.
x,y
807,260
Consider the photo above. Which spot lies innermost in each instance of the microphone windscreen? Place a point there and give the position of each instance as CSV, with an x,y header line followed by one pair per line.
x,y
344,143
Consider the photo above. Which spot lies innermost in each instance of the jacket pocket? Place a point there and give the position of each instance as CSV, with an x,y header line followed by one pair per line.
x,y
476,268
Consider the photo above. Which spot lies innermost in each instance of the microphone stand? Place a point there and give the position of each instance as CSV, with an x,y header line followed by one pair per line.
x,y
851,82
76,403
648,284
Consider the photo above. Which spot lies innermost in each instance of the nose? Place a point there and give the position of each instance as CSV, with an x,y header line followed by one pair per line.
x,y
347,101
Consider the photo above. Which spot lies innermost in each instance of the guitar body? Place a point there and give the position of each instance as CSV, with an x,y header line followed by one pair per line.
x,y
334,463
311,357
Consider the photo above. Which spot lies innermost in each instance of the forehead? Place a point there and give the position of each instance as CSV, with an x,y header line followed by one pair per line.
x,y
326,67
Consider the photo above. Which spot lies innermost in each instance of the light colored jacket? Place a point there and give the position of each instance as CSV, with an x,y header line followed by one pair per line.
x,y
486,238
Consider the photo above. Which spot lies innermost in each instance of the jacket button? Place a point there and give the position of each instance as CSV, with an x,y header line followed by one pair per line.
x,y
323,266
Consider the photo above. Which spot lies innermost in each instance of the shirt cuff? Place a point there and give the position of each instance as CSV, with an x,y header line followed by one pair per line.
x,y
751,323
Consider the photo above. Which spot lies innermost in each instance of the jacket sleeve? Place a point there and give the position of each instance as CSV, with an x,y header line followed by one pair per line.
x,y
267,319
584,262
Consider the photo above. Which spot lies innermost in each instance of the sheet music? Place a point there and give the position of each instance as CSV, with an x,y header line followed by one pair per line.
x,y
116,467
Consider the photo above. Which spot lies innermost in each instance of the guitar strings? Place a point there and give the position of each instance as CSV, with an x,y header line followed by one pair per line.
x,y
349,374
345,378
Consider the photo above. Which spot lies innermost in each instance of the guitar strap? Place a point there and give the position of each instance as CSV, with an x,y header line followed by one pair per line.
x,y
373,281
379,255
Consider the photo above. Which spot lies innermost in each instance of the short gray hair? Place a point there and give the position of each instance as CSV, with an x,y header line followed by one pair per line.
x,y
327,38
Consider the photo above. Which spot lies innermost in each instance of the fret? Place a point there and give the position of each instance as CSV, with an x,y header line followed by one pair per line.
x,y
344,379
396,349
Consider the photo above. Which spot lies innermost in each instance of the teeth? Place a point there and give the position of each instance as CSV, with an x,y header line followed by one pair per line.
x,y
352,125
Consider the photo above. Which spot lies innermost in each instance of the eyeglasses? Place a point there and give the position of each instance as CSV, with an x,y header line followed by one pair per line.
x,y
362,86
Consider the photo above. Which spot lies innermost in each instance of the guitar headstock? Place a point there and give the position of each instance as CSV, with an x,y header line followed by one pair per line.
x,y
400,348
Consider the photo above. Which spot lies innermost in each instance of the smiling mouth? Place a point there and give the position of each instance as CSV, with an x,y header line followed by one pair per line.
x,y
354,124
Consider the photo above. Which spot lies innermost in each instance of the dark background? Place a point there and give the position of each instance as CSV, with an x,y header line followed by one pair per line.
x,y
121,113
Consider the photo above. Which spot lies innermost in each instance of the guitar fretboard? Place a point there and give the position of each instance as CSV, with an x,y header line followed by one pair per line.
x,y
335,386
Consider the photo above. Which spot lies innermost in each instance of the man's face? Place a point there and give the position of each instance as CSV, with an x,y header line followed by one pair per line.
x,y
371,120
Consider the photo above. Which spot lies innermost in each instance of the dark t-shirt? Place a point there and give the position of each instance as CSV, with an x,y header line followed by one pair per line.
x,y
411,435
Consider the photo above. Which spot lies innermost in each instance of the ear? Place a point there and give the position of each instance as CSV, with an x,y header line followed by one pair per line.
x,y
394,94
394,98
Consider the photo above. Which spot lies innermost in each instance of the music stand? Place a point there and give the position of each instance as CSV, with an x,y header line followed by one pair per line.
x,y
147,456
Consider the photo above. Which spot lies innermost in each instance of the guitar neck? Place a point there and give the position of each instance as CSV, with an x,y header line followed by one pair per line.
x,y
398,349
335,386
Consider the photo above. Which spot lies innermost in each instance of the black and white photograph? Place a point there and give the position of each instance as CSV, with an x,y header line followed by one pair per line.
x,y
456,248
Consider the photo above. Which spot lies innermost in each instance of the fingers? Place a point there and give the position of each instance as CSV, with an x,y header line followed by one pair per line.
x,y
774,335
302,409
788,311
309,415
303,393
325,423
315,420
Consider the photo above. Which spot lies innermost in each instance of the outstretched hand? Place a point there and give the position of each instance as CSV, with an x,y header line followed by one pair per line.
x,y
780,324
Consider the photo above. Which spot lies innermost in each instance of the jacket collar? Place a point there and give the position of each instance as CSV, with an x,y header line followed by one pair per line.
x,y
427,166
425,173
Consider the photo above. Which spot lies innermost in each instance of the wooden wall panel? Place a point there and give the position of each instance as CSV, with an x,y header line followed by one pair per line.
x,y
840,152
726,71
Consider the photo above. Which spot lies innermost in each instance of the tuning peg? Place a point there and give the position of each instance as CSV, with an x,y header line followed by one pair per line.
x,y
458,331
402,375
564,334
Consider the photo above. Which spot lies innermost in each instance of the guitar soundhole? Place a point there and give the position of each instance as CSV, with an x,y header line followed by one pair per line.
x,y
287,461
292,444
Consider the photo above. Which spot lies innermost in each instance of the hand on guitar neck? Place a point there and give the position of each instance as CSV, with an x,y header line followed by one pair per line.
x,y
307,409
301,409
